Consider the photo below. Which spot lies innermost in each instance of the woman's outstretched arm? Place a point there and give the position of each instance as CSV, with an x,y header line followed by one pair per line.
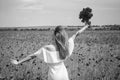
x,y
71,39
80,31
29,57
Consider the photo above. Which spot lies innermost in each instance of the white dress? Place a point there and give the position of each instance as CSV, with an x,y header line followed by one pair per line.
x,y
57,69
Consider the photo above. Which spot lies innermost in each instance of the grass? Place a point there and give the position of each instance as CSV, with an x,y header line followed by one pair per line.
x,y
96,55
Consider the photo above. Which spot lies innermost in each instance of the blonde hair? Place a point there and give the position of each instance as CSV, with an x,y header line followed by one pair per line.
x,y
61,40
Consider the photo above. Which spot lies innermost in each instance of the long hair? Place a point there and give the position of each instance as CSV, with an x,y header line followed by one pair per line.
x,y
61,40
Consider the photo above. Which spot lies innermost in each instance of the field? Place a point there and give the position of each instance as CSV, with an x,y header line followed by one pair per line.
x,y
96,55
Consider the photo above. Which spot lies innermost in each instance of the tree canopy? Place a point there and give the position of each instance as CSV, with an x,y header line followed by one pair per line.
x,y
85,15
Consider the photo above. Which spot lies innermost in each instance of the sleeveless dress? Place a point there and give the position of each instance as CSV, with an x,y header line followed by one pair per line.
x,y
57,69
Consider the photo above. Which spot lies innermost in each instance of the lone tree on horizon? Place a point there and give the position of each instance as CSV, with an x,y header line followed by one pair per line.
x,y
85,15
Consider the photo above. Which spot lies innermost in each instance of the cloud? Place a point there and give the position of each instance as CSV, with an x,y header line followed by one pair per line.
x,y
30,1
31,5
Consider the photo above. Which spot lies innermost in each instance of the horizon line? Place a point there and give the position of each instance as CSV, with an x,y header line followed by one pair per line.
x,y
53,25
36,26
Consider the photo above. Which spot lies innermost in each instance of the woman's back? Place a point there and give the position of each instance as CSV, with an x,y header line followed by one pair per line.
x,y
57,69
51,54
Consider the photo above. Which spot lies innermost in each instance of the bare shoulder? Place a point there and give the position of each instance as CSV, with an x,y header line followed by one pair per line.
x,y
50,47
71,39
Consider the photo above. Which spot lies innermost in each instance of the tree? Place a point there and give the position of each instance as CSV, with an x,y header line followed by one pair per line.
x,y
85,15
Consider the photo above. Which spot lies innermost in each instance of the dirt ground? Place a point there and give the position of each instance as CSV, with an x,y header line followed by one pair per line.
x,y
96,55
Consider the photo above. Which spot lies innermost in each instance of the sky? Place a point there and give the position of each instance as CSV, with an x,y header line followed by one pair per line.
x,y
24,13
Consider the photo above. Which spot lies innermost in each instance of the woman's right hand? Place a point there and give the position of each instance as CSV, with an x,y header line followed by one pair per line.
x,y
13,61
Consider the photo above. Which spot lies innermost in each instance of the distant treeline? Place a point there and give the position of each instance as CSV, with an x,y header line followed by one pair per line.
x,y
106,27
24,29
70,28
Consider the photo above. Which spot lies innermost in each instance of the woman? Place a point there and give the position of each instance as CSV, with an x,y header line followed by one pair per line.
x,y
55,54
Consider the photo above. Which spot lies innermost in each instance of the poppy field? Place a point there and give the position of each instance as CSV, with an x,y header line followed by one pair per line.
x,y
96,55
